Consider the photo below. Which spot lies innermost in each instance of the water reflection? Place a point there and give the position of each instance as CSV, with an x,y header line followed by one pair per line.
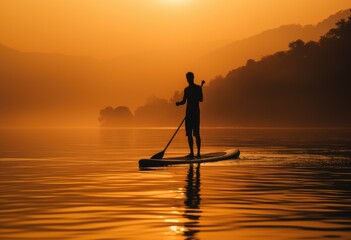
x,y
86,184
192,203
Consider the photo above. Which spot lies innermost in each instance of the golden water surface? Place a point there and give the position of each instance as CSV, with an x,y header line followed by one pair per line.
x,y
86,184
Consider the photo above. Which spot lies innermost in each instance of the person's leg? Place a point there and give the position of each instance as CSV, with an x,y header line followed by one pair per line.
x,y
191,145
198,144
189,134
197,135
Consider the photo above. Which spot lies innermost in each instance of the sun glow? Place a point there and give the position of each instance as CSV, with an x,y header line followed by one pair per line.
x,y
175,1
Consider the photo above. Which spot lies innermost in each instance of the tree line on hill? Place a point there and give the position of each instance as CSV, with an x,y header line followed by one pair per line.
x,y
307,85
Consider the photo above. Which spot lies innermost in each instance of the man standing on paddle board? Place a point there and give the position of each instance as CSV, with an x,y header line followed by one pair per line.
x,y
193,97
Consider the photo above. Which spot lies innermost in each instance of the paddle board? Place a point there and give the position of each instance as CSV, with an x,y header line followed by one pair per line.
x,y
208,157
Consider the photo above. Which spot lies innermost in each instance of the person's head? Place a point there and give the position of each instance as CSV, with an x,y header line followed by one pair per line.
x,y
190,77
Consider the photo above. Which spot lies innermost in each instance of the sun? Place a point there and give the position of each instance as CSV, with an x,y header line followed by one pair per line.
x,y
175,1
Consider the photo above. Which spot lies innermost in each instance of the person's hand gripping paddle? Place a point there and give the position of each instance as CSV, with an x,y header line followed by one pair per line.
x,y
161,154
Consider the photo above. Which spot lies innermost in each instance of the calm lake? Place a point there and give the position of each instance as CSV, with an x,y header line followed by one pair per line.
x,y
85,184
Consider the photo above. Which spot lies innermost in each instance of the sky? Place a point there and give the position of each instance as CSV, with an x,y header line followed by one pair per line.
x,y
110,28
137,49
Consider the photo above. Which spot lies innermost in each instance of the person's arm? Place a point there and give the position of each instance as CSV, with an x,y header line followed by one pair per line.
x,y
183,101
201,98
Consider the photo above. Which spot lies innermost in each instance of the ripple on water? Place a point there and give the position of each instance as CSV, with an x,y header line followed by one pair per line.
x,y
91,188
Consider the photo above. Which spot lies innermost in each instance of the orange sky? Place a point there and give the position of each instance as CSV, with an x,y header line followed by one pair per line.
x,y
107,28
145,47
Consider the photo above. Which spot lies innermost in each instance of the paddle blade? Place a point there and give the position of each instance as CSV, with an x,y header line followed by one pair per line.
x,y
158,155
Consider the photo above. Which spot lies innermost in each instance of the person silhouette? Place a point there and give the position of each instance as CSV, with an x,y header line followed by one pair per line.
x,y
192,96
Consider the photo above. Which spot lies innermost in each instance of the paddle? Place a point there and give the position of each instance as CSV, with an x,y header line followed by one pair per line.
x,y
161,154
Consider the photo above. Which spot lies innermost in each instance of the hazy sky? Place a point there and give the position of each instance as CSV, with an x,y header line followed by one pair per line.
x,y
107,28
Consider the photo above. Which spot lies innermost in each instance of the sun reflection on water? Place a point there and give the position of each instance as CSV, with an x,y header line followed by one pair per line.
x,y
297,186
190,211
177,229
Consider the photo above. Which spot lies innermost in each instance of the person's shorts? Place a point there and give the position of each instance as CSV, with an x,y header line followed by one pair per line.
x,y
192,125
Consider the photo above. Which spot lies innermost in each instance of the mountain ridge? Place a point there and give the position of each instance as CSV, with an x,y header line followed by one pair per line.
x,y
221,60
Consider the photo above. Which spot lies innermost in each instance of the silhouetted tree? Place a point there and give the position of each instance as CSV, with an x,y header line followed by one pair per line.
x,y
298,45
120,116
159,112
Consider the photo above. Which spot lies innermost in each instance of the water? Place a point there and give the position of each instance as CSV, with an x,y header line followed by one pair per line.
x,y
86,184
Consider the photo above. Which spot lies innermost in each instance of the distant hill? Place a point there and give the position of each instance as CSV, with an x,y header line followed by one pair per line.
x,y
220,61
45,88
307,85
55,89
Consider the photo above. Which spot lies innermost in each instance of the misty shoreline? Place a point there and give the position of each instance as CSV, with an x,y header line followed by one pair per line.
x,y
175,127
